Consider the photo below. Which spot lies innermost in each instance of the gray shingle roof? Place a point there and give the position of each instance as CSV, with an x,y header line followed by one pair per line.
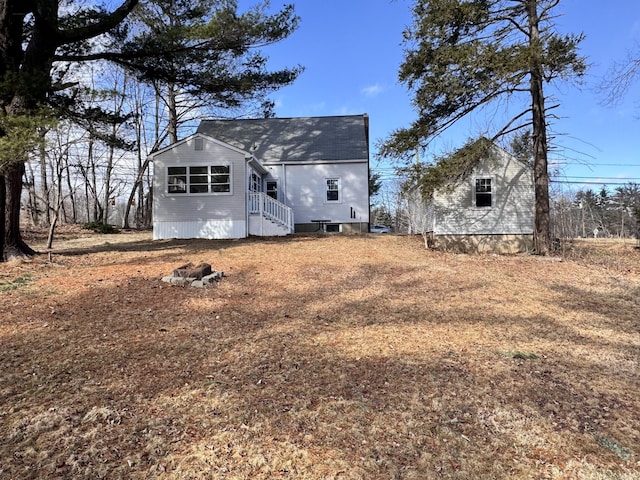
x,y
295,139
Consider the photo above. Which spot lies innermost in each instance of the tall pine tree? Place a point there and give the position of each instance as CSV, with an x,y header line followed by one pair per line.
x,y
463,55
41,40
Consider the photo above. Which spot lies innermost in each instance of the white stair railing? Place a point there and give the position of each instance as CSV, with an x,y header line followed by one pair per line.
x,y
267,207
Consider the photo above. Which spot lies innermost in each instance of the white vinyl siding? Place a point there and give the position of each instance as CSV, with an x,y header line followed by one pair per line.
x,y
210,229
510,191
303,187
219,169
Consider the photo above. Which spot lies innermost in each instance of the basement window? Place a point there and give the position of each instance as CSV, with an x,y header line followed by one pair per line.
x,y
483,192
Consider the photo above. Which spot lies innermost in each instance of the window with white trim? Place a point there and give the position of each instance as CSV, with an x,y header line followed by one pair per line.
x,y
272,189
197,179
483,192
255,182
332,190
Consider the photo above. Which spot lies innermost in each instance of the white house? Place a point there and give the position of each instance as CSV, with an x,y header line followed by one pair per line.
x,y
489,206
267,177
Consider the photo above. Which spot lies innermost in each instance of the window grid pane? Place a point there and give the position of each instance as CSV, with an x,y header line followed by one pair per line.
x,y
220,178
199,179
333,190
483,192
483,185
198,188
177,179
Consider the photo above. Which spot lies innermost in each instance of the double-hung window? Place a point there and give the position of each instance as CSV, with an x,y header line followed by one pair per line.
x,y
483,192
199,179
332,190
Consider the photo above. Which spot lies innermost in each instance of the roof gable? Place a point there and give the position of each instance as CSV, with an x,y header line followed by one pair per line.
x,y
275,140
190,138
449,171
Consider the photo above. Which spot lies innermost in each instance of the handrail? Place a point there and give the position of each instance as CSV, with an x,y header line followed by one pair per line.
x,y
262,204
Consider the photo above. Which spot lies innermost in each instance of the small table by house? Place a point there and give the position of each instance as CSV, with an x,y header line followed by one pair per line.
x,y
321,224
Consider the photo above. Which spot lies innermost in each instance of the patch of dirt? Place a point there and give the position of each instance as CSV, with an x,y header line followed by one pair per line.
x,y
351,357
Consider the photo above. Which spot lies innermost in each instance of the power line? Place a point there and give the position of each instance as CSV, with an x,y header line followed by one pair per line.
x,y
601,178
588,183
599,164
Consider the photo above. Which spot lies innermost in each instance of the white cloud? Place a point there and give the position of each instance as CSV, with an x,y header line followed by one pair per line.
x,y
372,90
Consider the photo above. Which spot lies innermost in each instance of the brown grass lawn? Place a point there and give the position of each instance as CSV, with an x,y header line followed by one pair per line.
x,y
347,357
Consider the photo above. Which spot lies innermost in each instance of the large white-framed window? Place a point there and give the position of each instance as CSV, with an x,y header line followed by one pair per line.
x,y
333,190
483,192
199,179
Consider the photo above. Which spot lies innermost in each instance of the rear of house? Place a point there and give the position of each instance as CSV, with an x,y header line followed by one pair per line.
x,y
317,166
274,176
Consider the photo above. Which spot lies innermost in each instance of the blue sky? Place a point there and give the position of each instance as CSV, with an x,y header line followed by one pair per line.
x,y
351,50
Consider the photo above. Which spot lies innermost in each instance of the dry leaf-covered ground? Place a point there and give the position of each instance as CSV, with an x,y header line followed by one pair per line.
x,y
347,357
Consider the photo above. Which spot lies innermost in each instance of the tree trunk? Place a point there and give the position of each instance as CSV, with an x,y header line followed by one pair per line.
x,y
59,202
138,184
148,210
3,206
542,237
107,185
173,114
72,193
33,206
14,246
46,194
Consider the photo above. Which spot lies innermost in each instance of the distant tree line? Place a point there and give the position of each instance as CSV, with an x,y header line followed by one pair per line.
x,y
604,213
